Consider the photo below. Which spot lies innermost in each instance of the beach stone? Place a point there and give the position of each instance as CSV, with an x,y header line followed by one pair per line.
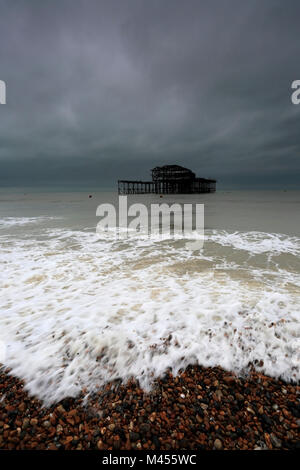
x,y
275,441
26,423
117,445
59,428
61,409
218,444
100,445
145,428
134,436
245,419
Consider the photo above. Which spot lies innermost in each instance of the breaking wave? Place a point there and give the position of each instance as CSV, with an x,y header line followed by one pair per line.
x,y
79,309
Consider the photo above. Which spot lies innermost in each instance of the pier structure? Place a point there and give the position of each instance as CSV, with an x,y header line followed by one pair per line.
x,y
168,179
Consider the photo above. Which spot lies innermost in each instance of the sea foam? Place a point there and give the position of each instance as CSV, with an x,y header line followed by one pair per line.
x,y
79,309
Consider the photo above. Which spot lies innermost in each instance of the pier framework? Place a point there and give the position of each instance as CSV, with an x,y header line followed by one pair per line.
x,y
168,179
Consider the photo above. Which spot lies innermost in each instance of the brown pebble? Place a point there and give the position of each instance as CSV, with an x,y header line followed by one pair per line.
x,y
218,444
224,412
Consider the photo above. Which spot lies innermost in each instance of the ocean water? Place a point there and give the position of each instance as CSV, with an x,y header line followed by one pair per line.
x,y
79,308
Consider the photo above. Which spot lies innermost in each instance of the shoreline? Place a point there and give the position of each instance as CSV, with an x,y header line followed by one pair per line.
x,y
200,409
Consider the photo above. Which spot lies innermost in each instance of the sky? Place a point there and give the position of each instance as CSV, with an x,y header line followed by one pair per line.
x,y
104,90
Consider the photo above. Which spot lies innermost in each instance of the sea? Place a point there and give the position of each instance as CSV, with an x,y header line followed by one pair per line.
x,y
80,307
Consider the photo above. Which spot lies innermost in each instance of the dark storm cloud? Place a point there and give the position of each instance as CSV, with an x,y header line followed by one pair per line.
x,y
98,90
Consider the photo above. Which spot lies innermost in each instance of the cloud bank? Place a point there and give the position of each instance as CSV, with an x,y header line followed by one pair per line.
x,y
102,90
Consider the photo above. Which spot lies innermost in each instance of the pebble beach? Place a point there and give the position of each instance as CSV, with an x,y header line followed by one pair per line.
x,y
91,326
199,409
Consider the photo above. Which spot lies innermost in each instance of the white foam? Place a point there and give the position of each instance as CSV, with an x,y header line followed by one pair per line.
x,y
19,221
79,309
258,242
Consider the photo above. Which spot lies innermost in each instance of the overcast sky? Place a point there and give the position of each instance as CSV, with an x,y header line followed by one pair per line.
x,y
101,90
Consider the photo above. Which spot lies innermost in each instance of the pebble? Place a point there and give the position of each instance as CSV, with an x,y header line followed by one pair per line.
x,y
275,441
59,428
100,445
26,423
218,444
200,408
